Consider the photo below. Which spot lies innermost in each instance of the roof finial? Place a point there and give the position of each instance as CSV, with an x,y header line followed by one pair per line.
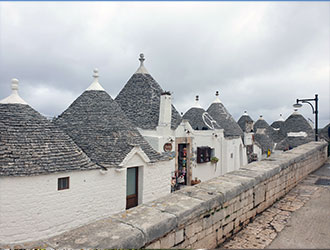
x,y
217,99
141,59
245,113
261,117
141,69
14,97
96,75
14,85
95,84
197,105
281,118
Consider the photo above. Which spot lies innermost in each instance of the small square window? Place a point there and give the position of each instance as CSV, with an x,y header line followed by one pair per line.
x,y
203,154
63,183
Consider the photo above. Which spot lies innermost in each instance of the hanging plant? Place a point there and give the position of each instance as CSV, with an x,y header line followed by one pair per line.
x,y
214,159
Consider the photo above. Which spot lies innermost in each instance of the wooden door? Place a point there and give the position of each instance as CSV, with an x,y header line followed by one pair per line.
x,y
132,187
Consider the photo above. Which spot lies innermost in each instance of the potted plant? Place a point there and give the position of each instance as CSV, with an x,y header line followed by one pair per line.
x,y
214,159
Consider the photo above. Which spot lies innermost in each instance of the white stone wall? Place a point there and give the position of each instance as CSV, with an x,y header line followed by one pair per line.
x,y
234,154
157,180
32,208
158,137
154,178
231,152
210,227
257,151
208,170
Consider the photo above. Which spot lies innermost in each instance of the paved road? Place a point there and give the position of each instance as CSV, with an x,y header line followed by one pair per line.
x,y
309,227
301,219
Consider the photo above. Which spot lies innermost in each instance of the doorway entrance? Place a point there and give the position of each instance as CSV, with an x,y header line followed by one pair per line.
x,y
132,187
182,163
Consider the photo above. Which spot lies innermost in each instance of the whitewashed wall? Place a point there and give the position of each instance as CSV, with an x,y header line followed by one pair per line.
x,y
154,178
234,154
158,137
208,170
32,208
157,180
231,152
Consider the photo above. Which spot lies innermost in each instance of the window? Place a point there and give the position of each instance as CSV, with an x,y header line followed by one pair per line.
x,y
203,154
63,183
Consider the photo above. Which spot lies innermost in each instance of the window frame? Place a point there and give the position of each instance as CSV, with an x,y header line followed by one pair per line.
x,y
204,154
60,185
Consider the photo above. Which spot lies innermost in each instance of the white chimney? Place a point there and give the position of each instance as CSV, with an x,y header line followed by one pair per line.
x,y
165,109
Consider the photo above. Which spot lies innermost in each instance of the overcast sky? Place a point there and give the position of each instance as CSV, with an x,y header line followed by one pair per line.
x,y
261,56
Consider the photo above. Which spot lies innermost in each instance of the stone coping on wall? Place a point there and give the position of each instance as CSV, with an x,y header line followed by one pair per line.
x,y
167,218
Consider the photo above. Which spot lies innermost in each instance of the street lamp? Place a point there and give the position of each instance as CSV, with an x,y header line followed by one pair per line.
x,y
315,111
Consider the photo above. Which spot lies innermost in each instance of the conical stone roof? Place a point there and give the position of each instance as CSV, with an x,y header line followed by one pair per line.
x,y
277,134
220,114
266,133
297,123
199,119
243,120
264,141
98,125
297,131
140,100
278,124
260,123
32,145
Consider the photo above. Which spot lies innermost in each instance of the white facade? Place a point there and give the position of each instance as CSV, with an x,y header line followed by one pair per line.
x,y
248,140
230,152
33,208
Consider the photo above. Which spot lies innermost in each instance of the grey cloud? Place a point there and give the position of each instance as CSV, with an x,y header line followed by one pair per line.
x,y
261,56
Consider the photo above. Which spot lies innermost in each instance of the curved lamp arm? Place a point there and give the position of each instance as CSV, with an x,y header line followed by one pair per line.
x,y
310,105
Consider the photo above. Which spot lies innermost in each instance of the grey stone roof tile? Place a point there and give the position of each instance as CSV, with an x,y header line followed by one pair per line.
x,y
32,145
100,128
295,123
140,100
277,124
264,141
275,135
195,118
225,120
243,120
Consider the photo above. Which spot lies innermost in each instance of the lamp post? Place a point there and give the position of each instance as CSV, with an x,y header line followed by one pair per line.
x,y
315,111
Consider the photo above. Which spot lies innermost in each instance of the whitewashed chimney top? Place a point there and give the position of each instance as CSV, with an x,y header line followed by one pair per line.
x,y
217,99
95,84
261,117
14,98
197,105
141,69
245,113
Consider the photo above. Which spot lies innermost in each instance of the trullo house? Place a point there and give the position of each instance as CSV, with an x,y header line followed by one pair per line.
x,y
97,124
48,184
150,109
